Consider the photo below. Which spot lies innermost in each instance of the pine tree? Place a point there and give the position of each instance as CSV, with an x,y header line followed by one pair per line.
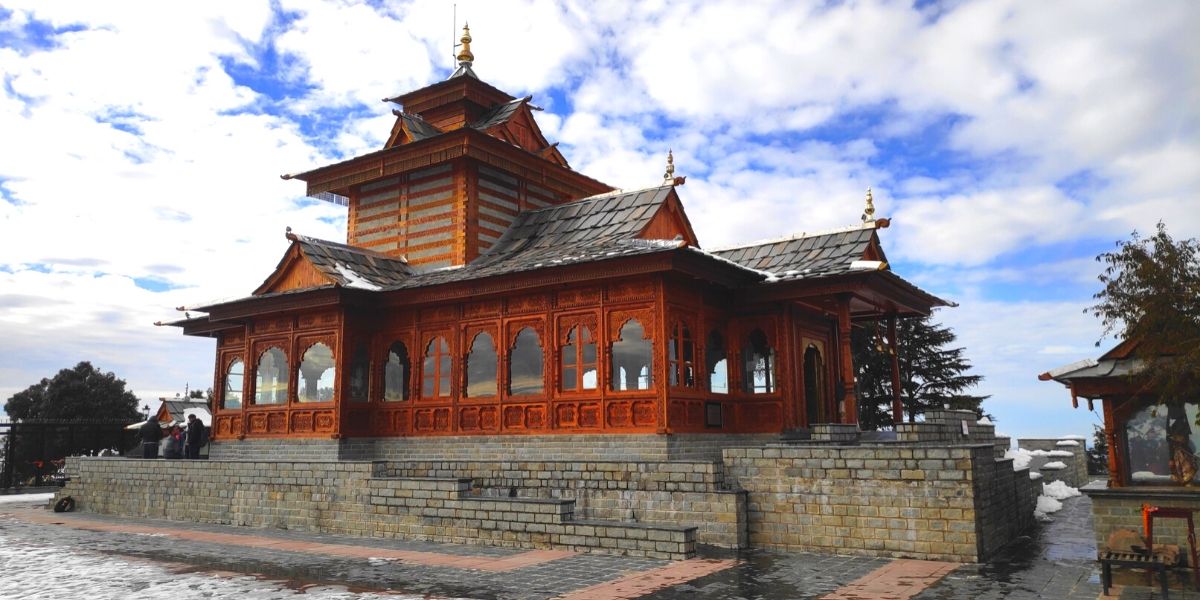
x,y
932,374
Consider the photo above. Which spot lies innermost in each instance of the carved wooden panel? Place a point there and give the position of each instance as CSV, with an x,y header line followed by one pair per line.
x,y
589,415
644,414
566,415
568,322
258,423
528,304
584,296
618,318
445,312
483,308
619,415
632,289
226,427
277,422
423,420
441,419
302,422
233,340
311,320
514,417
324,421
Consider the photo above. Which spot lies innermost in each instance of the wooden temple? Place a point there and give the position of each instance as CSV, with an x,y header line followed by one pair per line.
x,y
485,288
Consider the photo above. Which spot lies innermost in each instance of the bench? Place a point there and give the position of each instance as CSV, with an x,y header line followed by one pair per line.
x,y
1154,562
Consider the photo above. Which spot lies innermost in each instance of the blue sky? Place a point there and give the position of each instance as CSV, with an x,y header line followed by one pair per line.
x,y
1010,142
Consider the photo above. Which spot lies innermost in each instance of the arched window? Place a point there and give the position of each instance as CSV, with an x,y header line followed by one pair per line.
x,y
525,371
579,360
232,397
271,377
435,371
360,374
396,373
714,361
814,384
481,367
631,358
758,364
681,354
316,374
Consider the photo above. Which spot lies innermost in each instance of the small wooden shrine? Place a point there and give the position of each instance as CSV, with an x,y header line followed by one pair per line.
x,y
1148,443
485,288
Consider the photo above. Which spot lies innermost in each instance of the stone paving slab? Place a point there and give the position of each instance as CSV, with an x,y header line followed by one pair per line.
x,y
1056,562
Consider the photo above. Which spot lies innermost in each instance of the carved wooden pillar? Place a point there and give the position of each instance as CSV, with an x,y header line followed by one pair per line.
x,y
1115,475
897,406
849,398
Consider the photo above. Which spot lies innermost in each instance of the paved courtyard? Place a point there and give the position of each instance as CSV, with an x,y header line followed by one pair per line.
x,y
49,555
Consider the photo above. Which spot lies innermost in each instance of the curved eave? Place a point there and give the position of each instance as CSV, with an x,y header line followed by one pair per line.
x,y
888,292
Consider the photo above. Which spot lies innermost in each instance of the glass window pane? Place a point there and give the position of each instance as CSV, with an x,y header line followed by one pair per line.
x,y
1149,452
233,384
481,367
589,379
429,369
758,372
271,377
631,358
444,382
714,360
568,379
395,374
316,374
525,364
360,374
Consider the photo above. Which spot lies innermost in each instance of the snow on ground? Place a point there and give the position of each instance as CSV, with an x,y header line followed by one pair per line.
x,y
25,498
40,571
1045,506
1059,490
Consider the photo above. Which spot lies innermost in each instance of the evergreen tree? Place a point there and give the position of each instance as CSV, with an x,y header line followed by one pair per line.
x,y
81,392
932,374
1152,295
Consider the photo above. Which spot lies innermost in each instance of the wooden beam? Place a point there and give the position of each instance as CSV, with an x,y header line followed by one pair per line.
x,y
897,406
849,397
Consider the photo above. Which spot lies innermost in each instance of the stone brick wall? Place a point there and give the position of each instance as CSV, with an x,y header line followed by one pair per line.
x,y
877,501
643,447
1075,474
1121,508
690,493
353,498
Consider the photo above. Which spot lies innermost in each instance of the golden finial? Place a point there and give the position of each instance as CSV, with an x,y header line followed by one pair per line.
x,y
869,212
669,176
464,56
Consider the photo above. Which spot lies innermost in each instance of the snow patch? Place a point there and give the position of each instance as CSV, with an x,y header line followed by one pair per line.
x,y
22,498
1045,507
1034,475
1054,466
1059,490
1067,443
1073,437
1060,453
1020,458
985,421
354,280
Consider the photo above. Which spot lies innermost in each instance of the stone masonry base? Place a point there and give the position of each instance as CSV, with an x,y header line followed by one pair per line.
x,y
935,493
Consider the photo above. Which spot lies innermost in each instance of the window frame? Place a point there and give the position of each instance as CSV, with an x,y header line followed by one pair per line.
x,y
566,325
408,382
617,322
228,361
471,335
680,339
747,387
448,339
514,330
261,349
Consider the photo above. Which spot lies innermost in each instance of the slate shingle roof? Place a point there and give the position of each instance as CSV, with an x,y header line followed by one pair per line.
x,y
418,127
499,114
353,267
596,228
805,256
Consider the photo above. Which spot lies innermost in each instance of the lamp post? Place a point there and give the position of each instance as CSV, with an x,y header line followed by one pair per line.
x,y
146,410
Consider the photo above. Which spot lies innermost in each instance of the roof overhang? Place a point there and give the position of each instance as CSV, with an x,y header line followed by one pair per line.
x,y
876,293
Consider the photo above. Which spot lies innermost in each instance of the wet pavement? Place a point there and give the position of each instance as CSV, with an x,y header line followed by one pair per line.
x,y
47,555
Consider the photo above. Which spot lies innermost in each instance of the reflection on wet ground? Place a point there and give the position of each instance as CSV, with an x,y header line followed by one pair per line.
x,y
1056,561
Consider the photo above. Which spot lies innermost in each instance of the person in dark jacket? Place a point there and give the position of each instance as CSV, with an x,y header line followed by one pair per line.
x,y
195,437
151,434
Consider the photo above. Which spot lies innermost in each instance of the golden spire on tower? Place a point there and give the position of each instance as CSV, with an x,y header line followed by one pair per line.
x,y
464,56
869,212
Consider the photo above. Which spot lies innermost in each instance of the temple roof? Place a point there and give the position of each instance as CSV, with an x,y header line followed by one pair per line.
x,y
500,114
811,255
338,265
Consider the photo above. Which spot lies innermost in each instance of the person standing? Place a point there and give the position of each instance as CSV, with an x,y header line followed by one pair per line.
x,y
151,433
195,437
